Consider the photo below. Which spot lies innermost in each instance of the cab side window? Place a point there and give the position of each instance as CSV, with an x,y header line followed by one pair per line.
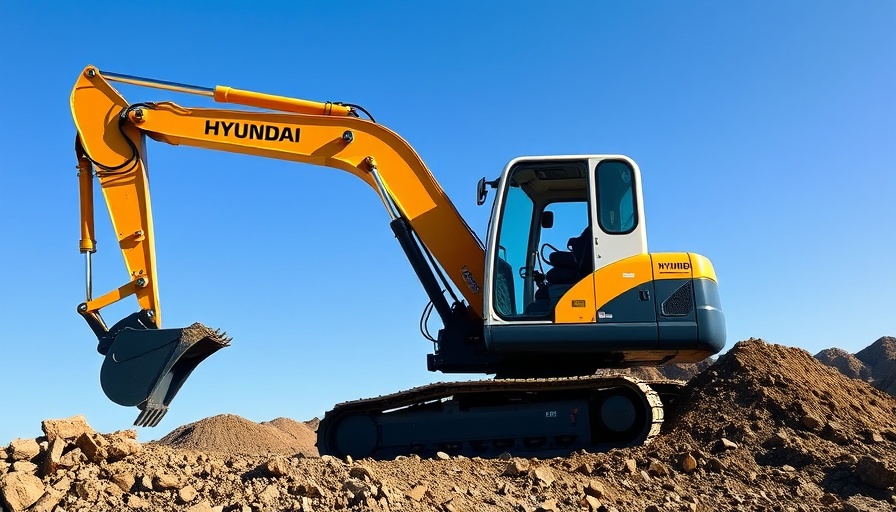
x,y
617,211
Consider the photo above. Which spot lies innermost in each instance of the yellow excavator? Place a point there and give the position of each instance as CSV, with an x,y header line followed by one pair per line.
x,y
563,287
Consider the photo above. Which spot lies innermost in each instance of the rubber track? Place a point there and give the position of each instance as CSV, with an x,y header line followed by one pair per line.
x,y
439,390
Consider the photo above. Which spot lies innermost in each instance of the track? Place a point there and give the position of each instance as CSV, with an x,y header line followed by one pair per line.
x,y
547,417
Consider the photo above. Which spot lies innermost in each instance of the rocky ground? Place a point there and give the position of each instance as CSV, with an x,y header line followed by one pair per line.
x,y
765,427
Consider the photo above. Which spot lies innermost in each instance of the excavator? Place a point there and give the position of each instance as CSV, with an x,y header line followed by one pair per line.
x,y
562,291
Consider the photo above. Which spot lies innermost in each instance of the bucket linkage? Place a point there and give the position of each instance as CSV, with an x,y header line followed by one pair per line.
x,y
146,366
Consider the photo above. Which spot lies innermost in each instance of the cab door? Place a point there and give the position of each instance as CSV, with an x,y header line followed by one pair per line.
x,y
617,213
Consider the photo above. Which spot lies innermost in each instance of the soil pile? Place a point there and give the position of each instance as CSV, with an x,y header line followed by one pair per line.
x,y
305,437
881,357
875,363
764,428
846,363
229,434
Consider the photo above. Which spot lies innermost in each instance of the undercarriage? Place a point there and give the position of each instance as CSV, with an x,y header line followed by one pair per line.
x,y
543,417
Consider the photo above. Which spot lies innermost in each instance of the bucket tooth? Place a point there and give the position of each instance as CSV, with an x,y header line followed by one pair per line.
x,y
147,367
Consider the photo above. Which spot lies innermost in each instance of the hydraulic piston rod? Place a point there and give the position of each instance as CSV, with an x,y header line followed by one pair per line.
x,y
225,94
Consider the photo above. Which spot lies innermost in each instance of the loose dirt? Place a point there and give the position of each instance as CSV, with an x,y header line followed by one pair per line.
x,y
766,427
228,434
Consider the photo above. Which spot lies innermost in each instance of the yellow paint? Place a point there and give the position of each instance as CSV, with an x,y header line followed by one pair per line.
x,y
702,267
620,277
114,296
85,196
577,304
224,94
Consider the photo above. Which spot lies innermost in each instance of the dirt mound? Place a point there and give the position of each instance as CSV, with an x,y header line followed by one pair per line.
x,y
881,351
783,386
305,437
875,363
233,435
848,364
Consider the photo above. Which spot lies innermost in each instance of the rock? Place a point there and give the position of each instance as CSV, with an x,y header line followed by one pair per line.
x,y
66,429
779,440
72,458
187,494
202,506
361,473
165,481
688,463
135,502
3,454
417,492
593,503
53,457
63,484
442,456
47,502
716,465
277,467
834,431
724,444
595,489
516,467
586,468
305,505
143,483
875,473
122,444
359,489
93,447
505,456
548,506
24,466
88,490
23,449
543,476
657,468
631,465
451,506
269,495
20,490
125,480
811,422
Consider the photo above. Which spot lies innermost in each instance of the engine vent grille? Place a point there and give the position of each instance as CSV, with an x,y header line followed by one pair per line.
x,y
679,303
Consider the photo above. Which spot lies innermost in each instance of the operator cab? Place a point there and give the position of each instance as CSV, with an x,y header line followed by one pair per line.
x,y
556,222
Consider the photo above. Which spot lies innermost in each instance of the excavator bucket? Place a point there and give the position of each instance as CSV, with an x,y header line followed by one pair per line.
x,y
147,367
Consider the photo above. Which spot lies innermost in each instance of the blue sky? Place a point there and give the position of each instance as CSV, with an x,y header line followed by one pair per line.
x,y
765,132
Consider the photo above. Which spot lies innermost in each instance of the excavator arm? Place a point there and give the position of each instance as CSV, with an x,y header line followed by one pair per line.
x,y
111,145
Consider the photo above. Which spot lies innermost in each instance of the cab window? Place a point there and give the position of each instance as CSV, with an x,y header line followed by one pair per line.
x,y
617,211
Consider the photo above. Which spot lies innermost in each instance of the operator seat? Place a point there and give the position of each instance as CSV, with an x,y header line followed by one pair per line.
x,y
569,267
